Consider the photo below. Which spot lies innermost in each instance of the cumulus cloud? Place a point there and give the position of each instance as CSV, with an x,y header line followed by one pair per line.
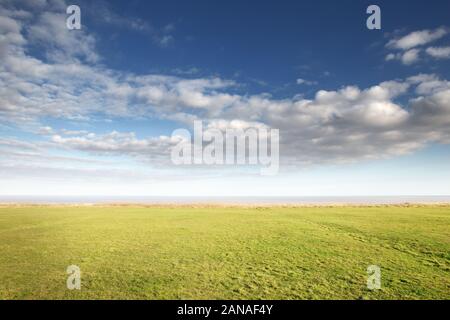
x,y
336,126
408,44
439,52
390,56
61,44
410,56
417,38
406,58
347,124
9,34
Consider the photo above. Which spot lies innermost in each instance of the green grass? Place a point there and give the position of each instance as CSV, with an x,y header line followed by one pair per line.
x,y
225,253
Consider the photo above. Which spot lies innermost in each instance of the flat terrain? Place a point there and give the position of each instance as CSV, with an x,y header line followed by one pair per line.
x,y
225,252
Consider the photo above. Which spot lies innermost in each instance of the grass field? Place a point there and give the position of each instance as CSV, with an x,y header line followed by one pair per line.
x,y
225,253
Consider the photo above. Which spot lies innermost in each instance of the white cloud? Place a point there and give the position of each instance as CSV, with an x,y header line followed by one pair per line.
x,y
390,57
342,125
428,84
407,44
61,44
118,143
439,52
9,35
45,130
336,126
410,56
306,82
417,38
407,58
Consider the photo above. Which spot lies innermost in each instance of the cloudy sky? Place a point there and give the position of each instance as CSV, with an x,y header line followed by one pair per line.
x,y
92,111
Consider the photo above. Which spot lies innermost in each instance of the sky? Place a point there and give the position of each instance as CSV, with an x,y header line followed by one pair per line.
x,y
92,111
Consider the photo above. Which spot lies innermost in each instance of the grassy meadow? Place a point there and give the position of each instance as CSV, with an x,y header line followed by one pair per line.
x,y
132,252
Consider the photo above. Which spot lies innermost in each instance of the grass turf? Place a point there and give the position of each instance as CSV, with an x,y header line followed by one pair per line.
x,y
225,253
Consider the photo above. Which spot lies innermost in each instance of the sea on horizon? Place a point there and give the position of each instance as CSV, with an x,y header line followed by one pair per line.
x,y
22,199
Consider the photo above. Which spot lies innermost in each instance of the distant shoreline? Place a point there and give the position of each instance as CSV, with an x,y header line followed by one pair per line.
x,y
225,200
141,201
223,205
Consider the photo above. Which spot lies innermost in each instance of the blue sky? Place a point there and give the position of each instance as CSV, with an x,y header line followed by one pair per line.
x,y
92,111
274,43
